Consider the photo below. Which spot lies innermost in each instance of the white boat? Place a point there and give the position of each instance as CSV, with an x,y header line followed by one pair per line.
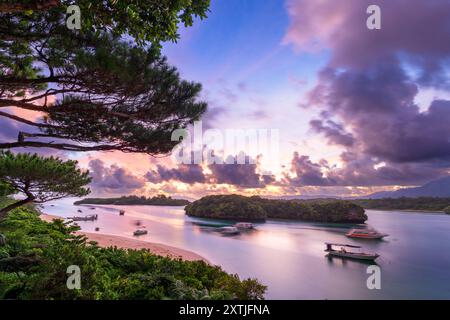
x,y
140,232
343,253
229,230
244,225
365,234
91,217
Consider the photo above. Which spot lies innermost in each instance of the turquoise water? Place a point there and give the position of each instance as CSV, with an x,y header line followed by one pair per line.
x,y
289,257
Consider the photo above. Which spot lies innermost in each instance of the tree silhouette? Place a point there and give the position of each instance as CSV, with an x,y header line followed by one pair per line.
x,y
95,89
40,179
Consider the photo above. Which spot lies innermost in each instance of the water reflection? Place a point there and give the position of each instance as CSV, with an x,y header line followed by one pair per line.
x,y
289,257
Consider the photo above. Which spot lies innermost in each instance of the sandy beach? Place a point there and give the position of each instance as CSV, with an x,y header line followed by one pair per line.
x,y
105,240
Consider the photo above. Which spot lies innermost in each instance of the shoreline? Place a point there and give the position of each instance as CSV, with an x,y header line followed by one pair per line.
x,y
107,240
411,211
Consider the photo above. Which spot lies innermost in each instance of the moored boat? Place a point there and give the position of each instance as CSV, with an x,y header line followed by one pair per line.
x,y
229,230
244,225
343,253
140,232
365,234
91,217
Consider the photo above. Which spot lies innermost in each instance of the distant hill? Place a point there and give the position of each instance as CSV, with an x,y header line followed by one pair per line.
x,y
304,197
406,204
159,200
439,188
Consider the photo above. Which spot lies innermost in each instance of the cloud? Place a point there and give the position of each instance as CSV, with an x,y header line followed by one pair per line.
x,y
243,175
333,131
183,173
358,170
259,115
230,172
113,179
366,92
416,29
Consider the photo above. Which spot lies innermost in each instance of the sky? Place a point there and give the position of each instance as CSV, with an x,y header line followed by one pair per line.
x,y
356,110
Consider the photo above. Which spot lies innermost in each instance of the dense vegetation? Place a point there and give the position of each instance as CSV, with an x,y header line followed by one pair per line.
x,y
226,207
39,179
35,257
420,204
159,200
238,207
113,89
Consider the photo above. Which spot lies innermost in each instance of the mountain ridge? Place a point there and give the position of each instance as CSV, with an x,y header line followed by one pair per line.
x,y
439,188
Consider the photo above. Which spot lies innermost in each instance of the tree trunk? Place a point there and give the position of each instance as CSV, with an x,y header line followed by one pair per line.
x,y
4,212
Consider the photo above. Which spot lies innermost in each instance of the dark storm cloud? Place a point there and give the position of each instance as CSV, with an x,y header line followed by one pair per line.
x,y
370,85
415,29
244,175
113,179
308,173
333,131
358,171
183,173
240,175
378,104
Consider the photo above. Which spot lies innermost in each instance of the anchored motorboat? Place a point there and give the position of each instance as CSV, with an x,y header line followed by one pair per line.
x,y
365,234
140,232
91,217
244,225
342,252
229,230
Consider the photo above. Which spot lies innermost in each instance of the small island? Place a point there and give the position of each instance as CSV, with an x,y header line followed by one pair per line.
x,y
159,200
236,207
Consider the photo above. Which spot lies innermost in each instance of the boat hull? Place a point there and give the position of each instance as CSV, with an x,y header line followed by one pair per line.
x,y
370,237
354,256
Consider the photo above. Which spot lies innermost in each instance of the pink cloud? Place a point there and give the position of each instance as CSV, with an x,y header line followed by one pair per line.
x,y
415,27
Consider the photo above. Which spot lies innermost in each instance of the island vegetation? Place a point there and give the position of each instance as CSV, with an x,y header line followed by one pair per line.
x,y
34,257
159,200
237,207
412,204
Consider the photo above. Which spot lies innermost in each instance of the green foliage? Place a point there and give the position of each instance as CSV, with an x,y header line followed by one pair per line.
x,y
226,207
152,21
6,189
42,178
33,266
111,94
159,200
238,207
419,203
